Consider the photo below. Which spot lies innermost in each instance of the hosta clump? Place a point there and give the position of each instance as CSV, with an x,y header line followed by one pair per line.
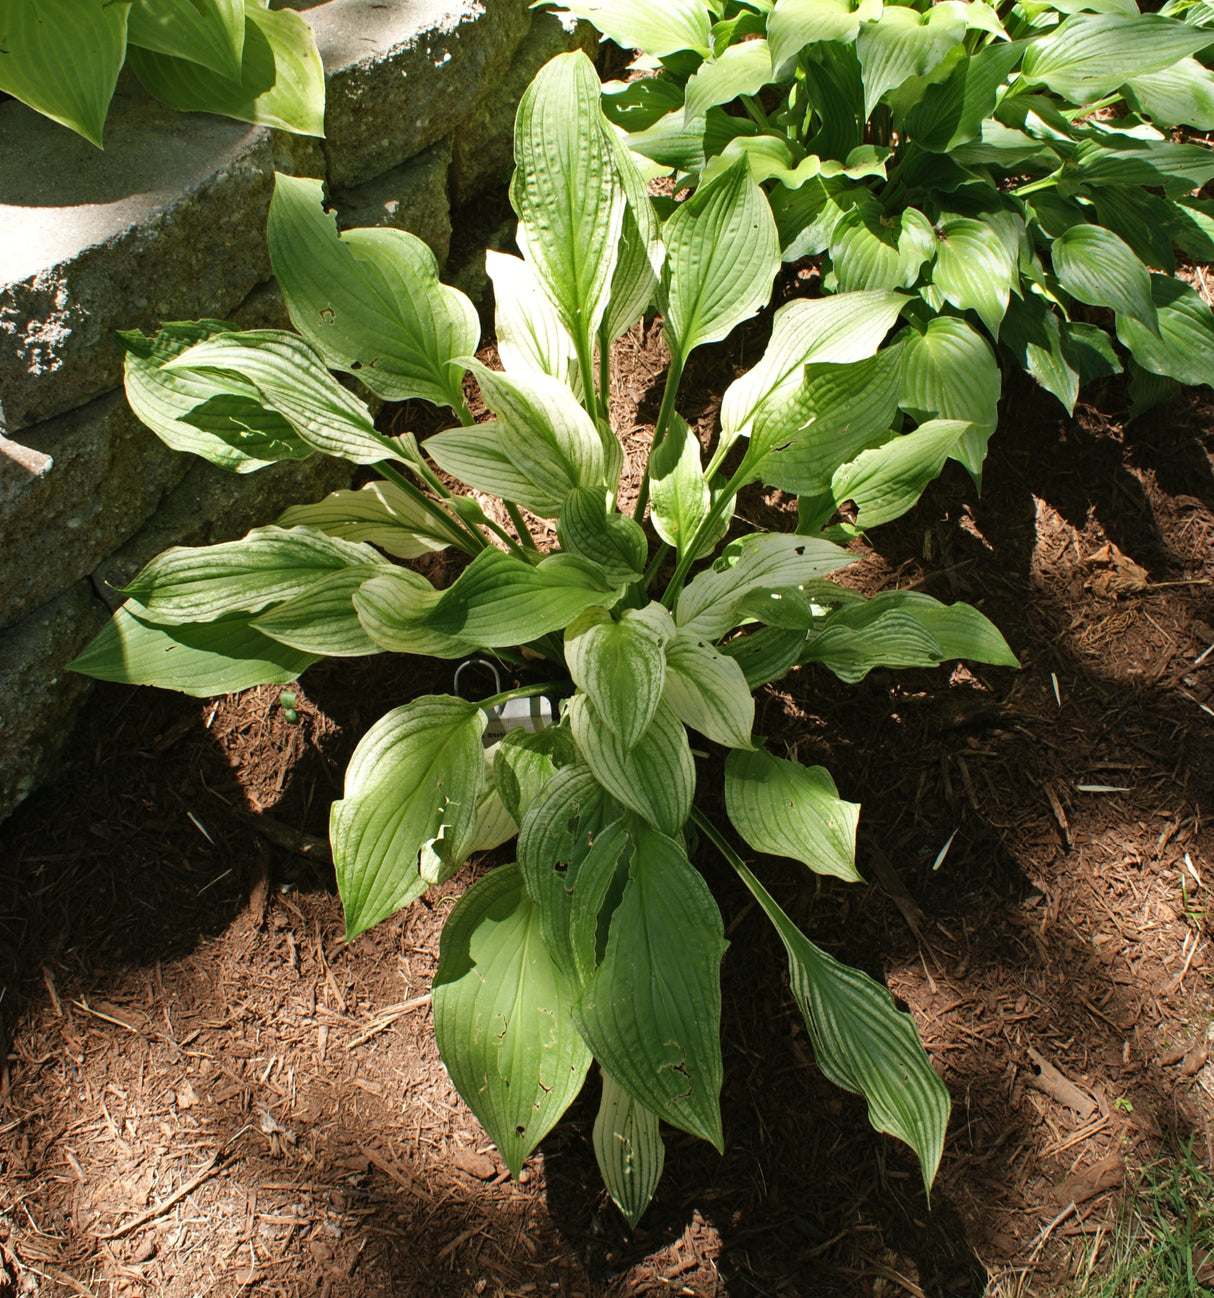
x,y
602,941
1014,168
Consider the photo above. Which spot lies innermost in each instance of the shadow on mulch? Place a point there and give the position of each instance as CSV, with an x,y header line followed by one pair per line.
x,y
1052,922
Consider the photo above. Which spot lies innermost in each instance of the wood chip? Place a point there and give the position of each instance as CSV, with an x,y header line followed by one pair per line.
x,y
479,1165
1195,1060
1051,1082
1094,1180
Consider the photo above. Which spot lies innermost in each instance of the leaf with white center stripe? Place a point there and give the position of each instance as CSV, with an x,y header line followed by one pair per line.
x,y
707,691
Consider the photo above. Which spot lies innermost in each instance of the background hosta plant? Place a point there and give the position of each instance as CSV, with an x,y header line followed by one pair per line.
x,y
1012,167
235,57
601,941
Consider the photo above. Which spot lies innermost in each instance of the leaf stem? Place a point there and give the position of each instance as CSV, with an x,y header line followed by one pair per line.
x,y
500,532
524,532
755,113
461,535
719,841
710,520
585,360
673,377
654,564
523,692
605,371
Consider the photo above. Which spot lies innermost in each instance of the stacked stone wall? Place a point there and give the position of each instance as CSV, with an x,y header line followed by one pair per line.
x,y
168,224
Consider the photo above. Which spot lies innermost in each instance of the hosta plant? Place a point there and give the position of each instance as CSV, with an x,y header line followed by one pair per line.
x,y
234,57
601,941
1016,168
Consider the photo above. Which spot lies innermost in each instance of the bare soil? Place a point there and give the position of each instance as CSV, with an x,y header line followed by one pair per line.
x,y
206,1092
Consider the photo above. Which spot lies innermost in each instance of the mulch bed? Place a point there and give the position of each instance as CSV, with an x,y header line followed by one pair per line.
x,y
206,1092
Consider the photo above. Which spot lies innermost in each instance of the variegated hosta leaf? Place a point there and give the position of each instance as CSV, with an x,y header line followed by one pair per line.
x,y
322,619
525,761
379,513
839,329
708,604
290,378
530,333
502,1016
707,691
621,666
722,254
628,1148
656,777
415,779
212,413
614,541
369,301
641,253
201,583
787,809
202,659
650,1011
862,1041
566,190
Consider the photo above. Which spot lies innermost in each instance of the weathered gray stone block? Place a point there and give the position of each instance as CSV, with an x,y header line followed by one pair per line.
x,y
412,197
166,224
484,145
71,490
400,77
210,505
39,698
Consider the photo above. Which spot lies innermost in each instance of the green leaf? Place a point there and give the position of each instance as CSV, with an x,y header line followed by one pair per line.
x,y
525,762
530,334
621,666
657,29
679,496
863,1042
708,691
62,58
557,833
721,258
209,32
475,456
806,217
793,24
290,378
628,1148
546,434
213,414
500,600
765,655
902,628
641,253
787,809
612,540
379,513
885,482
655,777
1184,347
874,249
671,143
1182,93
840,328
322,620
393,609
281,84
952,112
975,269
1124,160
1090,54
950,371
202,583
1141,219
414,780
502,1016
838,411
903,43
708,605
1097,267
651,1012
740,70
369,301
1090,350
1148,390
566,191
637,105
1033,334
203,659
